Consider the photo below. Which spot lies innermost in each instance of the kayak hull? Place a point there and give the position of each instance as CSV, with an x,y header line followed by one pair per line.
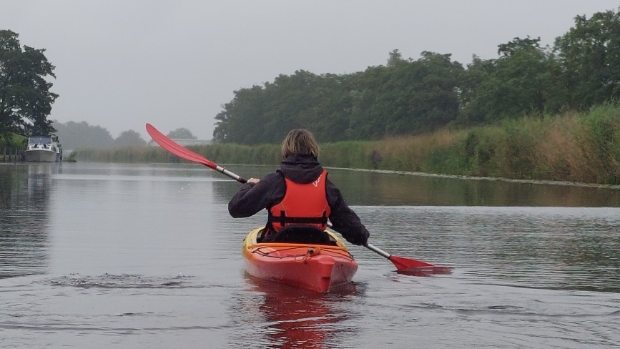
x,y
315,267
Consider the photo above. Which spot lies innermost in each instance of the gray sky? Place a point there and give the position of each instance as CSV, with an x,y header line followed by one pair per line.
x,y
174,63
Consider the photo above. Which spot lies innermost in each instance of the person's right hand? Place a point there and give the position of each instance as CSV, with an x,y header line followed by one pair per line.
x,y
253,180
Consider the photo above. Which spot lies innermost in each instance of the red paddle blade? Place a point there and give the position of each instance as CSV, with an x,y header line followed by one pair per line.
x,y
175,148
417,268
405,263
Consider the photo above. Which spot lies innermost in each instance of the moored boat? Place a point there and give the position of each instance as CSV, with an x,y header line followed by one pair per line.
x,y
313,266
43,149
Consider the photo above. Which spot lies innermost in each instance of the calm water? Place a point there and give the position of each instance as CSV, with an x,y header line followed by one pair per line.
x,y
146,256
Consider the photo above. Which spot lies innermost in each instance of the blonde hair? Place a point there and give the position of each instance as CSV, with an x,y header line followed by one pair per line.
x,y
299,141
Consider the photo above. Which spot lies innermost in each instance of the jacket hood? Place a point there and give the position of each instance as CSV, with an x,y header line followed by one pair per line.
x,y
301,168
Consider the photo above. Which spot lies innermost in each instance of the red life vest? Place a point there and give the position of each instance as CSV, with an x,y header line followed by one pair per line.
x,y
303,204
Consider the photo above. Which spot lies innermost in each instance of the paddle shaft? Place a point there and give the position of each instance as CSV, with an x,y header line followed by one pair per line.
x,y
378,251
230,174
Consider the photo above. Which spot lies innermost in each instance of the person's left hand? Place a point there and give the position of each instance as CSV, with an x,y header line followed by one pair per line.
x,y
253,180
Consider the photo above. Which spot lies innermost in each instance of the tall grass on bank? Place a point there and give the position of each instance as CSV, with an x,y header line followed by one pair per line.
x,y
572,147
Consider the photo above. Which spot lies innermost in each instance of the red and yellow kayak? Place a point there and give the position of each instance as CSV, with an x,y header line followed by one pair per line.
x,y
315,267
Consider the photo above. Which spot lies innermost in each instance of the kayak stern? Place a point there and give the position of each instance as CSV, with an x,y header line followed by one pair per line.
x,y
315,267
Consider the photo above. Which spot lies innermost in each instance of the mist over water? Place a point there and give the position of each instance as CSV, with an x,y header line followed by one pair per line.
x,y
146,256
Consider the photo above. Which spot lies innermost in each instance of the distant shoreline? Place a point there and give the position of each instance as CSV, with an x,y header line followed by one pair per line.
x,y
574,148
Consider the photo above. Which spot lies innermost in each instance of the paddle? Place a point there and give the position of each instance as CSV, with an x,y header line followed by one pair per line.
x,y
403,265
410,266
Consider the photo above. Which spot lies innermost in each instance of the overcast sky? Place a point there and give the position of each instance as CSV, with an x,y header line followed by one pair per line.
x,y
174,63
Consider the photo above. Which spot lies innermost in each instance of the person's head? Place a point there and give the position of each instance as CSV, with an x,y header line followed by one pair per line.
x,y
299,141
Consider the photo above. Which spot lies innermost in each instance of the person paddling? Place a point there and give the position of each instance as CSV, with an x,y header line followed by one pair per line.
x,y
299,198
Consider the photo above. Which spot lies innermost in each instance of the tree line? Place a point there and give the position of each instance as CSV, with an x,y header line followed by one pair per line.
x,y
408,97
75,135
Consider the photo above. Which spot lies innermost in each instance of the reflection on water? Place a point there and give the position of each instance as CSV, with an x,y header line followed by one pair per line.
x,y
291,317
24,208
368,188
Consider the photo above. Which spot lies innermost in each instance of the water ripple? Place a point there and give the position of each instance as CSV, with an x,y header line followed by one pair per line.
x,y
122,281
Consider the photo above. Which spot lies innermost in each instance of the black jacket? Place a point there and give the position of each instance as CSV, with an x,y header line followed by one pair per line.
x,y
252,198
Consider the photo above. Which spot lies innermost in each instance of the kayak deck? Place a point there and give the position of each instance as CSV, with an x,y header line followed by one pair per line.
x,y
311,266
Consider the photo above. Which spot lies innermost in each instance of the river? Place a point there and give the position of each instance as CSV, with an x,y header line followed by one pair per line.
x,y
146,256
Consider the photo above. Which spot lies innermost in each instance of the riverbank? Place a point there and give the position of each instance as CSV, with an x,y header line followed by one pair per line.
x,y
573,147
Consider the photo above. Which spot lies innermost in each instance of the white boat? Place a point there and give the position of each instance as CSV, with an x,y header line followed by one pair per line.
x,y
43,149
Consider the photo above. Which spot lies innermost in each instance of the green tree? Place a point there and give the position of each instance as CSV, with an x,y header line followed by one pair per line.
x,y
243,119
289,103
395,59
25,97
129,138
181,133
590,57
265,114
406,97
521,81
478,71
518,45
318,103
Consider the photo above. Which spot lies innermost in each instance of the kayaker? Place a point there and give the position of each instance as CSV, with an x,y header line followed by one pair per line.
x,y
298,197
